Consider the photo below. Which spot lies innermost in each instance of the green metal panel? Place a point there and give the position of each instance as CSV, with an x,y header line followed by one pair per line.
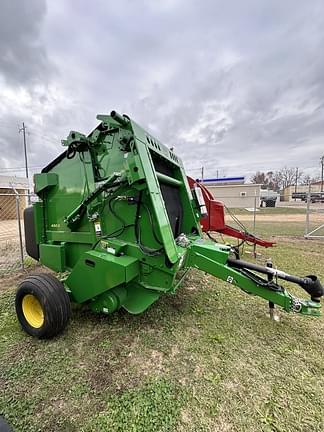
x,y
39,222
76,180
97,272
52,256
139,299
73,237
157,202
134,168
44,180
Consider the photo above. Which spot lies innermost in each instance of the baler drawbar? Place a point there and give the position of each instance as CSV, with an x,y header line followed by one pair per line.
x,y
119,221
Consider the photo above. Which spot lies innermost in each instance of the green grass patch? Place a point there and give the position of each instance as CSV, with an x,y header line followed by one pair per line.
x,y
155,407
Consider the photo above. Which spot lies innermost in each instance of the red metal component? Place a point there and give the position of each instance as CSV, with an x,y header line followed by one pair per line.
x,y
215,220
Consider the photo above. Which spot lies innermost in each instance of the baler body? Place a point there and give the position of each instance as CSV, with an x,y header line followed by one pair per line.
x,y
118,219
133,223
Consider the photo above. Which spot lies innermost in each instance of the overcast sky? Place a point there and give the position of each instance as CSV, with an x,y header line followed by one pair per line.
x,y
234,86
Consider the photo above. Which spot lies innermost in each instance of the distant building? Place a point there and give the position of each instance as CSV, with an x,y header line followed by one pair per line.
x,y
8,185
233,192
286,194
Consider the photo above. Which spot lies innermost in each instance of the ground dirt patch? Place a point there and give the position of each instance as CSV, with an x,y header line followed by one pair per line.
x,y
315,217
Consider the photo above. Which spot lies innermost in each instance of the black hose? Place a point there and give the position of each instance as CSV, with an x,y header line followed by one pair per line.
x,y
71,151
146,250
114,213
152,224
114,234
310,283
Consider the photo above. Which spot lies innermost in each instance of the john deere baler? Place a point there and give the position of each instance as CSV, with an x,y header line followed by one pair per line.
x,y
117,220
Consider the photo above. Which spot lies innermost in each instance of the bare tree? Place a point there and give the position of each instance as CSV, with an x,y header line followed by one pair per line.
x,y
306,180
287,177
266,179
259,178
279,179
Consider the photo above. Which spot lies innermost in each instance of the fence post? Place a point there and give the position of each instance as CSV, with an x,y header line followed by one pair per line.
x,y
254,223
19,229
308,200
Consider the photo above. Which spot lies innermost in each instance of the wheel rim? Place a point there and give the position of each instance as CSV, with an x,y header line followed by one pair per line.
x,y
33,311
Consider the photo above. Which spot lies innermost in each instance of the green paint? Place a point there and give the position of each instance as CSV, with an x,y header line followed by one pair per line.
x,y
43,181
97,272
211,260
52,256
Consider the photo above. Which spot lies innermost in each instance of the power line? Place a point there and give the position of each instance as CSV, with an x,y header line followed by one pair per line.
x,y
45,138
14,168
8,125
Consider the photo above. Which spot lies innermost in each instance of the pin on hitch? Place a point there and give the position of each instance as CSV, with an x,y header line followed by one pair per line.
x,y
274,316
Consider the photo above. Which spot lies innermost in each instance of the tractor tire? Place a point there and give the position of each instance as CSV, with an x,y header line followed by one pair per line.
x,y
42,305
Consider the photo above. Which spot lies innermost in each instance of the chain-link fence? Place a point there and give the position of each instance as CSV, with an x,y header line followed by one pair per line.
x,y
249,212
12,244
314,228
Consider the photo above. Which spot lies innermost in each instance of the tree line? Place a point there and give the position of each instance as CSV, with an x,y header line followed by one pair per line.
x,y
278,180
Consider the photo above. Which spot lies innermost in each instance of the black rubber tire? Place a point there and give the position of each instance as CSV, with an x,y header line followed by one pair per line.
x,y
53,299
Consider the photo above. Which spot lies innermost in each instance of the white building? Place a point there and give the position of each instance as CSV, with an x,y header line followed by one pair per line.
x,y
233,192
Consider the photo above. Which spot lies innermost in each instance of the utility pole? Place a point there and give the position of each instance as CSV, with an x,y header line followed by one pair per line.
x,y
23,130
322,163
202,174
296,181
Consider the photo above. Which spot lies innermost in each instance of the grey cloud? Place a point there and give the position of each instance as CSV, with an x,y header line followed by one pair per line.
x,y
245,79
23,58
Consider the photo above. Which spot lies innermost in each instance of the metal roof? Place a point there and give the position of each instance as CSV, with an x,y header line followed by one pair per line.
x,y
6,182
221,179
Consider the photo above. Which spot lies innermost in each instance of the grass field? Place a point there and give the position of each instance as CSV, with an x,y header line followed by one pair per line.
x,y
205,359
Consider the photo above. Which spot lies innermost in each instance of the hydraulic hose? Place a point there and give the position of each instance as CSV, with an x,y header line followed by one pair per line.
x,y
310,283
